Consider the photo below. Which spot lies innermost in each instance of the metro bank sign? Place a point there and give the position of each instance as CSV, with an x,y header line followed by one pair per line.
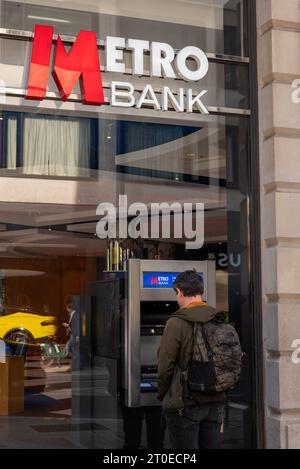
x,y
82,63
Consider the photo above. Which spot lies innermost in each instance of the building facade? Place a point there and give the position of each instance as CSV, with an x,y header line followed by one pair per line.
x,y
175,102
278,67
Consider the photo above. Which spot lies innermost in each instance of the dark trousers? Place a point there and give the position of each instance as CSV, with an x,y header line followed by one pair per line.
x,y
197,427
133,421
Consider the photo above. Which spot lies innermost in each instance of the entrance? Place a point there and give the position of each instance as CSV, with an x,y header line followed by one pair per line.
x,y
61,284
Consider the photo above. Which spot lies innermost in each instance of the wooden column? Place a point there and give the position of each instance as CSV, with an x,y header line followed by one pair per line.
x,y
12,386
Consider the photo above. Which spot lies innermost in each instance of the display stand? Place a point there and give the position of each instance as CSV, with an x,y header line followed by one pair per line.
x,y
12,386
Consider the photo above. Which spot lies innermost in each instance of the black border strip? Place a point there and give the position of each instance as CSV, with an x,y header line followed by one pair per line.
x,y
255,235
168,175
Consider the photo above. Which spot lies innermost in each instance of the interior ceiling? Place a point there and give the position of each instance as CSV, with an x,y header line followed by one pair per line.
x,y
45,243
80,239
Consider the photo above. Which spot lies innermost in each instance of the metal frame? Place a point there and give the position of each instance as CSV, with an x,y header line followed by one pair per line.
x,y
255,238
132,366
20,115
19,34
74,97
207,267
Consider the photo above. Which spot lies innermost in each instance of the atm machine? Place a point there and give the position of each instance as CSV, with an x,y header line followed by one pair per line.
x,y
122,321
150,301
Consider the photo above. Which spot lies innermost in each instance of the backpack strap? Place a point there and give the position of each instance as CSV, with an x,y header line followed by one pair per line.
x,y
206,344
201,350
184,373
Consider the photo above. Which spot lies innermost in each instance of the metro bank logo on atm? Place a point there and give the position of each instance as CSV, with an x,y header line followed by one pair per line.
x,y
82,63
161,279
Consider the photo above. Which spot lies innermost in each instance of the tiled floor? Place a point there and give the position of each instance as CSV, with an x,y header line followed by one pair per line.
x,y
48,421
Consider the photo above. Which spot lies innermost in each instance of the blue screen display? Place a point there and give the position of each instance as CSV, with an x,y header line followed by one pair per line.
x,y
160,279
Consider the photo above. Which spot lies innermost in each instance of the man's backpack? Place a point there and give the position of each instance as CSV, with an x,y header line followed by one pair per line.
x,y
217,358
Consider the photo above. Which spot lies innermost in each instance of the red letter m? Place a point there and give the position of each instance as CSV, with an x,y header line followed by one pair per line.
x,y
81,63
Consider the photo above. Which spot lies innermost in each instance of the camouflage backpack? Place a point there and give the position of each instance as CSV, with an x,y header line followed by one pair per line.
x,y
217,358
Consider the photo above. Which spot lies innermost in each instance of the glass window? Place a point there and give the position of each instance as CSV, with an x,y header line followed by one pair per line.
x,y
66,262
63,288
216,26
48,146
58,147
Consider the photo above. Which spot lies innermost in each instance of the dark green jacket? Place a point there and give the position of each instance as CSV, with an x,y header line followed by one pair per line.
x,y
175,353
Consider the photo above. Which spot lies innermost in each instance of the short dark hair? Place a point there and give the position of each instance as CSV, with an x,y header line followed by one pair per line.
x,y
190,283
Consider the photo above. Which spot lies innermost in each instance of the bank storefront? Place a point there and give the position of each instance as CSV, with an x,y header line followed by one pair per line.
x,y
135,103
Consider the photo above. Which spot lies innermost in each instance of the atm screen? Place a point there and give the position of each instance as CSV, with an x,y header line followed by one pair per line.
x,y
148,386
160,279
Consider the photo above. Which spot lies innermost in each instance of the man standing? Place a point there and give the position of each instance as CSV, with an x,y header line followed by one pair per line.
x,y
194,420
69,326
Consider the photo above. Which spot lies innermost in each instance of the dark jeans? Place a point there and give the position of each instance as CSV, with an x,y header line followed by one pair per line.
x,y
198,427
133,421
70,345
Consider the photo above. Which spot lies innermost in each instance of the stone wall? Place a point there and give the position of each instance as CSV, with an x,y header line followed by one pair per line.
x,y
278,25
